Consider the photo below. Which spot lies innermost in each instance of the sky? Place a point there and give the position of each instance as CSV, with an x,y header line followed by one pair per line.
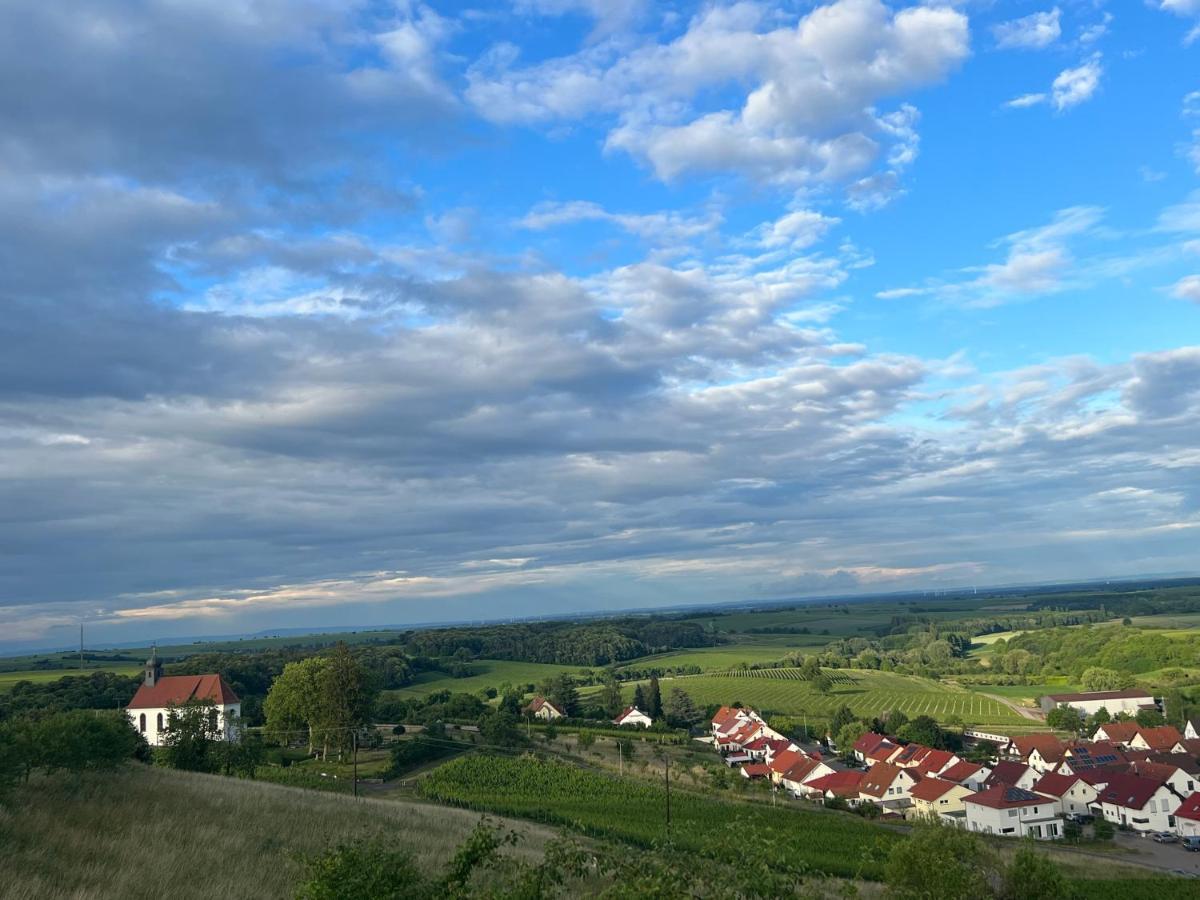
x,y
322,313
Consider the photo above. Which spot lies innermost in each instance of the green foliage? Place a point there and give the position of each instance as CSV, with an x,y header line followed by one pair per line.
x,y
100,690
654,699
374,869
328,696
408,755
81,740
1031,876
1102,829
561,691
190,742
611,700
1149,718
585,739
759,838
1065,718
939,863
925,730
501,729
680,711
1096,678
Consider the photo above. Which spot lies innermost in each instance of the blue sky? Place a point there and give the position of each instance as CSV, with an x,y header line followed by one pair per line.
x,y
321,313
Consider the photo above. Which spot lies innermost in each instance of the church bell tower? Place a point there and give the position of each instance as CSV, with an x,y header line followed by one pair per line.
x,y
153,668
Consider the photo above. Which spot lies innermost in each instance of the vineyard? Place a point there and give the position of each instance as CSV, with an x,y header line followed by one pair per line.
x,y
802,841
867,693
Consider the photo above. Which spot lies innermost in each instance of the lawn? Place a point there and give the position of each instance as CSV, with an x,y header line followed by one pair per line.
x,y
145,834
1023,693
867,693
8,679
486,673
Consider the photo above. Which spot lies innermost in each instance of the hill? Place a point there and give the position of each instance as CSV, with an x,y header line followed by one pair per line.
x,y
153,833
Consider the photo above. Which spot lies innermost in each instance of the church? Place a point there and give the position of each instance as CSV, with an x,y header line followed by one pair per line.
x,y
150,708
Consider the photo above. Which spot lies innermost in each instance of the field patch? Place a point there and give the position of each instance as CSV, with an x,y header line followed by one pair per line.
x,y
485,673
44,676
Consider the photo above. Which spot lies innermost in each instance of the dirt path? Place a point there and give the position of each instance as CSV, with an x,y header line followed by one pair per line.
x,y
1025,712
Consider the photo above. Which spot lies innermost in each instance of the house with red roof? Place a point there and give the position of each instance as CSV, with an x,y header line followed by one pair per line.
x,y
802,772
889,786
869,743
1071,794
845,785
970,775
543,709
1187,817
1142,804
1083,755
755,770
160,695
933,762
631,715
1116,732
1177,778
935,798
1161,738
1012,773
1013,812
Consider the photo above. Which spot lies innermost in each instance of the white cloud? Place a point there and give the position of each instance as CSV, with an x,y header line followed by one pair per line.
x,y
1026,100
1181,7
1187,288
797,230
1191,104
1094,32
1032,32
1074,86
663,228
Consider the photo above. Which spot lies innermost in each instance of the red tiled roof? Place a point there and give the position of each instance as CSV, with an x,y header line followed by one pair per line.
x,y
1163,737
1004,796
785,760
1130,791
755,770
625,712
539,702
879,778
1100,695
1192,746
1007,772
1189,809
1155,771
801,770
759,743
1054,784
176,690
1043,743
1120,732
961,771
934,761
869,742
910,753
931,789
1099,775
883,752
840,784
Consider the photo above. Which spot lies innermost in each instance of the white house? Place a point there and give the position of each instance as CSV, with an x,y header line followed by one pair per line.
x,y
1178,779
935,798
888,785
1012,773
1116,733
631,715
1160,739
1191,731
1013,812
541,708
1142,804
1187,817
151,707
1093,701
970,775
1071,794
802,772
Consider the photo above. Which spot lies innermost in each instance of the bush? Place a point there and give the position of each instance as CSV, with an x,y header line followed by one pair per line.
x,y
1102,830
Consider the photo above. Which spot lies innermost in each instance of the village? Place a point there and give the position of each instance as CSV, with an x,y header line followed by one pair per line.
x,y
1138,779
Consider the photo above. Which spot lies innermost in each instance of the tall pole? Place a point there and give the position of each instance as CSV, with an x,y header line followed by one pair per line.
x,y
354,741
80,645
667,774
620,756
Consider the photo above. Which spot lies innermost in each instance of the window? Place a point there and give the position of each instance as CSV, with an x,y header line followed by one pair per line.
x,y
142,723
1012,813
160,722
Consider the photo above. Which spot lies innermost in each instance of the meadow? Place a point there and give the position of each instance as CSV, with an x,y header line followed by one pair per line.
x,y
8,679
485,673
144,834
867,693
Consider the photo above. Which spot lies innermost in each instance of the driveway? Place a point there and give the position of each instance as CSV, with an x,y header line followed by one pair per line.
x,y
1161,856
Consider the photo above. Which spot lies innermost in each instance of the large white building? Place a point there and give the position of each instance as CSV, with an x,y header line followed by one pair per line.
x,y
1013,812
150,709
1142,804
1093,701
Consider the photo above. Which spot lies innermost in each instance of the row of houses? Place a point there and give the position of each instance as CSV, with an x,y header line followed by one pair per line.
x,y
547,711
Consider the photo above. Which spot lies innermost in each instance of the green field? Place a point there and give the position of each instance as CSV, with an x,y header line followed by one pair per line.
x,y
755,649
866,693
486,673
1023,692
41,676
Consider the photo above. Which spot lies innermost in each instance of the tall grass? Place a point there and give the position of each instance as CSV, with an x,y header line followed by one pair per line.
x,y
154,833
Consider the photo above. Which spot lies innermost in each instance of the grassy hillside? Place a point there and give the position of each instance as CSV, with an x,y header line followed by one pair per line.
x,y
154,833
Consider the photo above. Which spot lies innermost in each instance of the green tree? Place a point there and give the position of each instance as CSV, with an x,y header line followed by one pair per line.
x,y
585,739
842,717
345,699
1065,718
895,720
191,738
293,701
82,740
1102,829
923,730
939,862
561,691
368,869
1098,718
242,757
680,711
639,699
654,699
1149,718
1101,679
500,728
611,700
1032,876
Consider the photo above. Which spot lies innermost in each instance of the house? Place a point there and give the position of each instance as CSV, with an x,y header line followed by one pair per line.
x,y
1093,701
933,762
1192,729
1187,817
1072,794
933,798
887,785
541,708
729,719
1116,732
1142,804
802,772
631,715
755,770
1013,811
1046,744
870,744
1190,746
781,762
1162,738
151,707
970,775
1081,756
845,785
1177,778
1012,773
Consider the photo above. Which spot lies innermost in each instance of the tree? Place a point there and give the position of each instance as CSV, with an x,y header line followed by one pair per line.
x,y
500,729
1100,679
1149,718
923,730
611,699
345,700
560,690
1065,718
1032,876
293,701
82,740
941,862
846,738
1103,830
680,711
842,717
243,756
895,720
191,737
821,683
639,699
585,739
1098,718
654,699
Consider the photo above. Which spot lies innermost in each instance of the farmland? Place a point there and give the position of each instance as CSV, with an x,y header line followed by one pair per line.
x,y
485,673
631,811
866,693
8,679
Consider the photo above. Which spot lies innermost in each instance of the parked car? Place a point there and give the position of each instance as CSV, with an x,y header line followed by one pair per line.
x,y
1164,837
1081,818
1191,843
1184,873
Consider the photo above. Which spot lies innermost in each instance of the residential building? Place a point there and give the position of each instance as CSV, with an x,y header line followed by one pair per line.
x,y
970,775
1116,732
1187,817
1142,804
1012,773
807,769
888,785
631,715
543,709
1013,812
934,798
1161,738
845,785
1071,794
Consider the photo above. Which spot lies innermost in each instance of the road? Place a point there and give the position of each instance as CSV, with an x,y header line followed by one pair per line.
x,y
1024,711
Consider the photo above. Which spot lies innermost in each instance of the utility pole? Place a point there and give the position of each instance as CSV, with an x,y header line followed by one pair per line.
x,y
620,756
81,645
354,742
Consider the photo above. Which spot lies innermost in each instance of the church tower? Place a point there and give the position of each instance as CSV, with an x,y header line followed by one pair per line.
x,y
153,668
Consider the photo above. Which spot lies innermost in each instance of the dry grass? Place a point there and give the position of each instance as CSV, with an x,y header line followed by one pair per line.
x,y
153,833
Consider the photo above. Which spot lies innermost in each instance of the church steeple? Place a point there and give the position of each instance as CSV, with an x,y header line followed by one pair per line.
x,y
153,668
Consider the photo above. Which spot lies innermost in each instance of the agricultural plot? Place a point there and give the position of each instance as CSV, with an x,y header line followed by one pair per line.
x,y
761,649
867,693
485,673
41,676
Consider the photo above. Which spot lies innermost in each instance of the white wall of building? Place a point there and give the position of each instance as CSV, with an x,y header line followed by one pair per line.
x,y
152,723
1042,821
